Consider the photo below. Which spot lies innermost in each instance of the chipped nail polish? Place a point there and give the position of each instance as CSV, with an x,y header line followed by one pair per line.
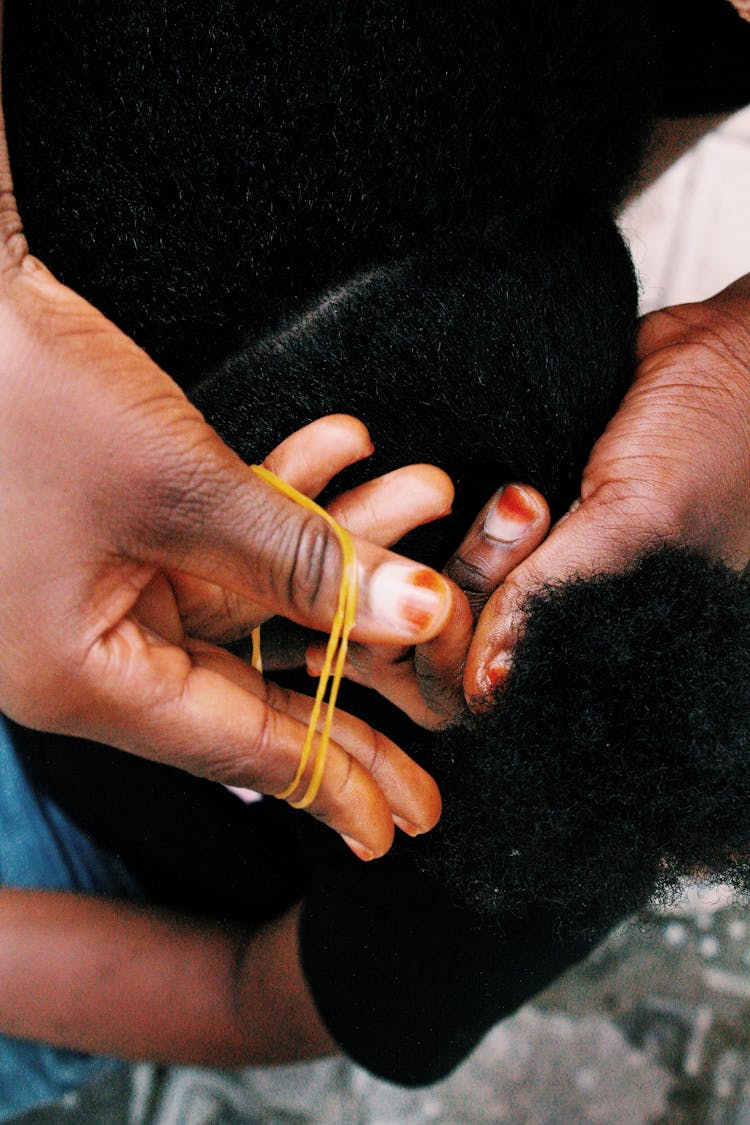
x,y
511,515
408,595
495,674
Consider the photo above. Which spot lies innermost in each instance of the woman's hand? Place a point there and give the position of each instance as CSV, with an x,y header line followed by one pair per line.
x,y
672,466
119,506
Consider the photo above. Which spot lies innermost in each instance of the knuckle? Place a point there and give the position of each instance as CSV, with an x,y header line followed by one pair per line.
x,y
440,689
344,786
313,555
274,695
472,575
263,735
13,246
645,515
251,769
377,753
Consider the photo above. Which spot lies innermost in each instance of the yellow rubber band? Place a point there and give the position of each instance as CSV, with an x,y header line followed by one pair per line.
x,y
336,649
257,657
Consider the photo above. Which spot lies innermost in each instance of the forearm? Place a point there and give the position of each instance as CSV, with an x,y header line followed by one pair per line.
x,y
116,979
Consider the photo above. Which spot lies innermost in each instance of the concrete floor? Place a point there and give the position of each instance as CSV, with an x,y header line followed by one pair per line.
x,y
655,1027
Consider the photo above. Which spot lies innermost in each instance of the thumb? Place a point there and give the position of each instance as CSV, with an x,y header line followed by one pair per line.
x,y
146,478
210,516
599,535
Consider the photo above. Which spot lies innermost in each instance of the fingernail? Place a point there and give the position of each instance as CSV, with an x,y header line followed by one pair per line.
x,y
361,852
511,515
407,827
411,596
495,674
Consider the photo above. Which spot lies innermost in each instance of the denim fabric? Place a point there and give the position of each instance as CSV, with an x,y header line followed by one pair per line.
x,y
41,848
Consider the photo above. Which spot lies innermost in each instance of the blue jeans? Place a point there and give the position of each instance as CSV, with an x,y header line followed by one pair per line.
x,y
41,849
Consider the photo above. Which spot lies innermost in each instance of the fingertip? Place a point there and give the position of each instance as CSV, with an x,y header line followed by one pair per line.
x,y
418,805
543,517
314,658
403,602
485,682
406,827
516,513
438,482
355,431
360,850
310,457
377,841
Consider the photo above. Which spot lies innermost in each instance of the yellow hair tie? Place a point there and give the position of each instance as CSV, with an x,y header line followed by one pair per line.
x,y
338,643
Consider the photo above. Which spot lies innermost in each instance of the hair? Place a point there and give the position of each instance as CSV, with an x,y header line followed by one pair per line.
x,y
615,761
397,214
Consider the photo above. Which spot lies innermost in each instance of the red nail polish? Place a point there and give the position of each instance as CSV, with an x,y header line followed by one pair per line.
x,y
511,515
427,580
408,595
515,502
496,673
419,611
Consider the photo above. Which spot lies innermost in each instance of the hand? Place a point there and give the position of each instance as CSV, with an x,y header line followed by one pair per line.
x,y
672,466
426,681
113,487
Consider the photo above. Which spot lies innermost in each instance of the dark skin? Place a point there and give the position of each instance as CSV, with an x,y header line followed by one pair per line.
x,y
114,978
672,466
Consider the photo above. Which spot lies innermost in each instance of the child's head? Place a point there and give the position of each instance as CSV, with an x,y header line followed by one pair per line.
x,y
616,760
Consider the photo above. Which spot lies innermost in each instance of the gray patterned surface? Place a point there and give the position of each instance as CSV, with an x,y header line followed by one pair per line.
x,y
654,1027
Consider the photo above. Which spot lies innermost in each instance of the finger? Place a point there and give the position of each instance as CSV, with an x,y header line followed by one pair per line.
x,y
387,670
383,510
506,530
411,793
157,700
439,666
600,535
430,689
310,458
426,684
212,517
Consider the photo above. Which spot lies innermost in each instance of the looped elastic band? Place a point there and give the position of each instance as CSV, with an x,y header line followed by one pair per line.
x,y
338,644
